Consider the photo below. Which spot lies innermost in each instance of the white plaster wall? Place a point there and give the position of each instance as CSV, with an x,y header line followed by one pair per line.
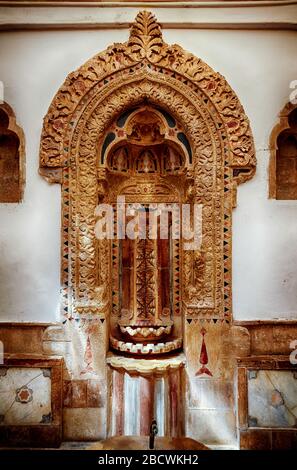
x,y
33,65
259,66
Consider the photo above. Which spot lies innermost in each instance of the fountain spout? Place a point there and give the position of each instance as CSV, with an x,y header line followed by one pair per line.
x,y
153,433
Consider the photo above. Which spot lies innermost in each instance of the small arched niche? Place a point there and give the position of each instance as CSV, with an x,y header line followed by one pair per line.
x,y
283,162
12,156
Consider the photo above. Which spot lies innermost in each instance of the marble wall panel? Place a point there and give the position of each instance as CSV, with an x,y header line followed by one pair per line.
x,y
272,398
25,396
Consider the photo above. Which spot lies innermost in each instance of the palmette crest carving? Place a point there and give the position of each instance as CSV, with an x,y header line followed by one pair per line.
x,y
145,71
146,36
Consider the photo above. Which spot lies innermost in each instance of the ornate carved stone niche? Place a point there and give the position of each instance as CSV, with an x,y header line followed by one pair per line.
x,y
151,122
283,159
12,156
148,166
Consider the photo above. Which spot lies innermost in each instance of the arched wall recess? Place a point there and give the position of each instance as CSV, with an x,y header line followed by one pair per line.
x,y
12,157
283,155
146,71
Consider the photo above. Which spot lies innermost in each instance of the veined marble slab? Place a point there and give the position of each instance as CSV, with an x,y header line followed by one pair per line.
x,y
272,398
131,394
25,396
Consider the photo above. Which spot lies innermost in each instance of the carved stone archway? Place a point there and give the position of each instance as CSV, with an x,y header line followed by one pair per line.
x,y
146,69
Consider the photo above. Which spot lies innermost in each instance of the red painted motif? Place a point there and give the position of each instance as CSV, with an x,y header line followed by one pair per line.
x,y
203,356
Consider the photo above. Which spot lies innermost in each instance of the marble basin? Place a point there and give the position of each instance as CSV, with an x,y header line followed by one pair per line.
x,y
142,443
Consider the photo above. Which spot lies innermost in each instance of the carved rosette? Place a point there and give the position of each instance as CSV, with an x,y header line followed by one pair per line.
x,y
125,75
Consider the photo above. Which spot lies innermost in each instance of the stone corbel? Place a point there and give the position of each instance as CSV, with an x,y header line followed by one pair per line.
x,y
240,175
51,175
241,341
55,341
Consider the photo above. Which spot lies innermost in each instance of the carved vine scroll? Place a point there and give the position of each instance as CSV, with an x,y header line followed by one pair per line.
x,y
146,70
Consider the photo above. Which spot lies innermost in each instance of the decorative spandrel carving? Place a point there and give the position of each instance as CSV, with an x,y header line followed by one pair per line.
x,y
12,157
197,117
